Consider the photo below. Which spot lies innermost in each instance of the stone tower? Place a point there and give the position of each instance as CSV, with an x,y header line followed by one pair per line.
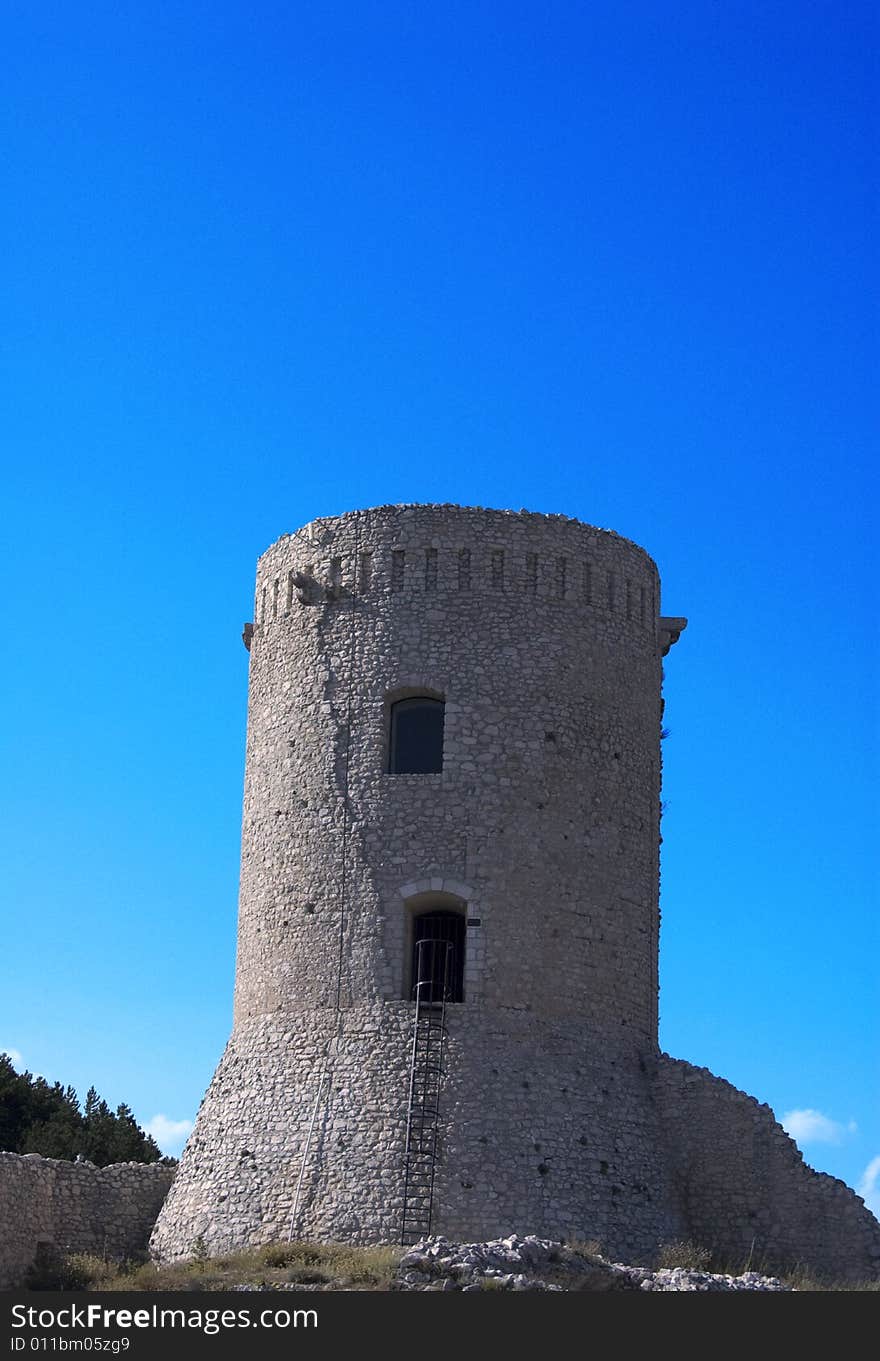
x,y
453,735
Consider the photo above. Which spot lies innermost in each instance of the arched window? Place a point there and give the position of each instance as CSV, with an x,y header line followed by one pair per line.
x,y
437,965
416,743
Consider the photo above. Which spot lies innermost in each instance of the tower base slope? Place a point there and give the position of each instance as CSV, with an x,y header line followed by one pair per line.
x,y
302,1133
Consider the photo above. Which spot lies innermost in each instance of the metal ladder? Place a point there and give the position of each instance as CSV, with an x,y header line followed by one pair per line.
x,y
432,973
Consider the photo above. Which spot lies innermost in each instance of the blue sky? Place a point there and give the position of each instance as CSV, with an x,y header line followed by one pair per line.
x,y
265,263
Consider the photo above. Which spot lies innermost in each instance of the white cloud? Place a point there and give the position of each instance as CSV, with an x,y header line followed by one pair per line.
x,y
812,1127
12,1054
869,1186
170,1135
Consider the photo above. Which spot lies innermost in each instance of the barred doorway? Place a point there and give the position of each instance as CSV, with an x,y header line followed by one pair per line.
x,y
438,956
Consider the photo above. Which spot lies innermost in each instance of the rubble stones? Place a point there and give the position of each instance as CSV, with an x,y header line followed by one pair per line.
x,y
531,1263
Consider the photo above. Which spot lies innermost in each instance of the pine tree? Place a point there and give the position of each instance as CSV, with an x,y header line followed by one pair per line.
x,y
37,1118
15,1098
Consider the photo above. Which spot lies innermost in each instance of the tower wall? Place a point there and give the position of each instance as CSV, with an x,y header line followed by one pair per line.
x,y
558,1115
542,636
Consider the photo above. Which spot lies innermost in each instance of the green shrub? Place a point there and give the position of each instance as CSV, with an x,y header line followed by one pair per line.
x,y
53,1270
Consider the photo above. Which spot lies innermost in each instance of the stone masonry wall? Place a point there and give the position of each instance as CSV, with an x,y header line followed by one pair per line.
x,y
75,1207
745,1190
556,1135
542,636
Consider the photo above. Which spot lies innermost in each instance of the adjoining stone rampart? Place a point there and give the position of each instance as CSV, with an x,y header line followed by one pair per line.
x,y
744,1189
75,1207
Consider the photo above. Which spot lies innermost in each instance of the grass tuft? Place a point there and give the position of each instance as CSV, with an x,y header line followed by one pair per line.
x,y
683,1253
339,1266
277,1265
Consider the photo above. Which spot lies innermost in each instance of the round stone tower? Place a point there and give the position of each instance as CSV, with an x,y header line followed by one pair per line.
x,y
446,992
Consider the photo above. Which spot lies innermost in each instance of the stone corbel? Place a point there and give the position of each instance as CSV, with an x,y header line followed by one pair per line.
x,y
669,630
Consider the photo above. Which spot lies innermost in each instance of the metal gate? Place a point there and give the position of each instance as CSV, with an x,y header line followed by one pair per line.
x,y
438,958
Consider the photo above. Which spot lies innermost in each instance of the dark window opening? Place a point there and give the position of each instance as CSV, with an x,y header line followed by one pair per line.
x,y
438,957
416,737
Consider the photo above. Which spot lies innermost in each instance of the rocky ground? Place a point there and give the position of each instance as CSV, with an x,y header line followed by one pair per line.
x,y
518,1262
532,1263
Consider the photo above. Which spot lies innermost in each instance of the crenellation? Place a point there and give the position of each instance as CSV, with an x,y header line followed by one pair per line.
x,y
447,567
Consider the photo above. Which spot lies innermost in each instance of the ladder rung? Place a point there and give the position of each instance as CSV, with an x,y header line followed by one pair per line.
x,y
425,1078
